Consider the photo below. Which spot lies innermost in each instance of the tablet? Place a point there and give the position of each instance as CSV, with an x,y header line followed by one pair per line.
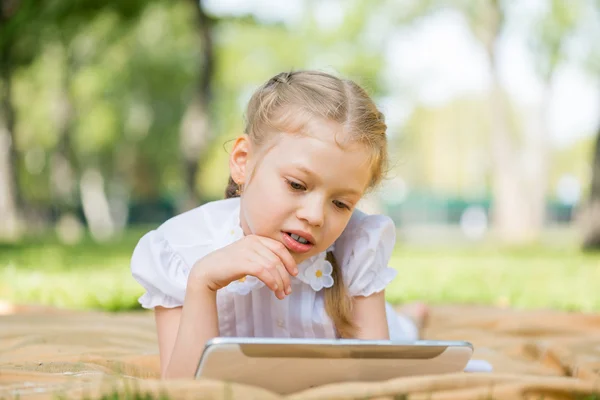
x,y
289,365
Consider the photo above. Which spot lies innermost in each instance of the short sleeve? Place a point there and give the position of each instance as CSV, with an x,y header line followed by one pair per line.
x,y
160,270
363,252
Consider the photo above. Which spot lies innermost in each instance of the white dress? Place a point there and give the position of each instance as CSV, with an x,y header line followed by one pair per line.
x,y
162,260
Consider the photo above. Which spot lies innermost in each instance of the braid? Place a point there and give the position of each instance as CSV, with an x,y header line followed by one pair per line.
x,y
282,77
232,189
338,303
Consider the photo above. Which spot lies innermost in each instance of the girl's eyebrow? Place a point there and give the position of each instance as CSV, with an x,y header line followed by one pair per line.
x,y
350,191
306,170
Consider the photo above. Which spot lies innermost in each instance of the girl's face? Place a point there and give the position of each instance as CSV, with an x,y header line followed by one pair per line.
x,y
301,190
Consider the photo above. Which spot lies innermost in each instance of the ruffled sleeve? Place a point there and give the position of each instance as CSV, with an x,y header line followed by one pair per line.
x,y
163,258
363,252
160,270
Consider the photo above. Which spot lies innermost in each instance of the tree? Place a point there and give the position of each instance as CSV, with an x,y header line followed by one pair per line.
x,y
591,239
196,129
26,28
511,216
550,37
519,165
87,178
17,47
511,213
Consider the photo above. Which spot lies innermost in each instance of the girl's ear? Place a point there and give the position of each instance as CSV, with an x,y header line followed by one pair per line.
x,y
238,159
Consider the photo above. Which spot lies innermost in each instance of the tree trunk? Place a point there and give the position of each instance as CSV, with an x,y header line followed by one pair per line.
x,y
511,216
96,205
592,218
196,126
10,195
510,212
64,168
63,172
536,163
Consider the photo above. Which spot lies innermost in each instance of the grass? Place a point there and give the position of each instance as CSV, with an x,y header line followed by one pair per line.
x,y
97,276
88,275
532,277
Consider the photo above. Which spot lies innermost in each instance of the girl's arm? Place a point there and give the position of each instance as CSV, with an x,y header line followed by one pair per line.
x,y
183,332
369,315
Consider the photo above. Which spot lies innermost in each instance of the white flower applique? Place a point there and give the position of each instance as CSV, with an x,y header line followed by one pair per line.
x,y
245,285
318,275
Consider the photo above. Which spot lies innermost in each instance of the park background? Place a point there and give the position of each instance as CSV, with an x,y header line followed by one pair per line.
x,y
116,115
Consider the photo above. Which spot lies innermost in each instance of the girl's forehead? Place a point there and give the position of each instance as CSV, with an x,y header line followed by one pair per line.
x,y
298,121
313,137
334,140
315,128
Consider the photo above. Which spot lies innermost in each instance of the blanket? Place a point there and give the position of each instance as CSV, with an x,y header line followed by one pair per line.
x,y
48,354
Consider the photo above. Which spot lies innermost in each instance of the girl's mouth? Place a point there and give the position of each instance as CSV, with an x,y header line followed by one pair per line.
x,y
298,238
296,243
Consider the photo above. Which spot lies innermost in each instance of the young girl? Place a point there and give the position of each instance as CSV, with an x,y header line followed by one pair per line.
x,y
287,254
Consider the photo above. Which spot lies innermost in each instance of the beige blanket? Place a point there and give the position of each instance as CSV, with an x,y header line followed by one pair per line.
x,y
65,354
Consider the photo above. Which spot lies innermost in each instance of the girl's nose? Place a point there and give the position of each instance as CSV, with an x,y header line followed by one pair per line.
x,y
312,211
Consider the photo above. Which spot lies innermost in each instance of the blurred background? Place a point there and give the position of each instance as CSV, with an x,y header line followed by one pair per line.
x,y
116,115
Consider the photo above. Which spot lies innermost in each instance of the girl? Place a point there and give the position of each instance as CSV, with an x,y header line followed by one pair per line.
x,y
287,254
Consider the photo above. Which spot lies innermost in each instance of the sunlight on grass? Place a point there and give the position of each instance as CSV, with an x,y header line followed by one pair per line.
x,y
543,278
85,276
97,276
109,289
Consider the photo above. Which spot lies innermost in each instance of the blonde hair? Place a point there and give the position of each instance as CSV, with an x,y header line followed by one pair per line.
x,y
285,104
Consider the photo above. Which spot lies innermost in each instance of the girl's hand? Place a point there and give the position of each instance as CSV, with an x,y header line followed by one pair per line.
x,y
264,258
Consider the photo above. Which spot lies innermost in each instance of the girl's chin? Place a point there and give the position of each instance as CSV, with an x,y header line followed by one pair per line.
x,y
300,258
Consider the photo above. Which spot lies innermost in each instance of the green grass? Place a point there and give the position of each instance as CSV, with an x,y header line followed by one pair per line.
x,y
97,276
532,277
88,275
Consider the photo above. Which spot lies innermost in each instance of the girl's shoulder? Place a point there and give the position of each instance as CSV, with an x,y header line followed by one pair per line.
x,y
362,220
163,257
202,224
363,251
375,227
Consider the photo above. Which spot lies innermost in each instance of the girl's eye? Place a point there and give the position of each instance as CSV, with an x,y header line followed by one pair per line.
x,y
340,205
296,185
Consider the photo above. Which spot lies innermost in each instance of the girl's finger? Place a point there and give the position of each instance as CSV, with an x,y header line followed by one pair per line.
x,y
279,268
283,254
269,266
259,271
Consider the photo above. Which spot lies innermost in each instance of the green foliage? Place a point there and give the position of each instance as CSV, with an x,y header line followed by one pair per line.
x,y
552,32
28,25
443,149
121,74
111,81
